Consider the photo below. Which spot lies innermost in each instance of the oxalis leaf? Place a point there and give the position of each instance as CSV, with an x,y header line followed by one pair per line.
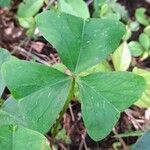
x,y
80,43
141,16
36,86
17,137
4,56
75,7
104,96
10,113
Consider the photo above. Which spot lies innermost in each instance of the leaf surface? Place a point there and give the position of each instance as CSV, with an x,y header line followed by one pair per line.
x,y
144,41
144,101
10,113
122,58
136,48
4,56
28,8
74,7
141,16
18,137
34,86
104,96
80,43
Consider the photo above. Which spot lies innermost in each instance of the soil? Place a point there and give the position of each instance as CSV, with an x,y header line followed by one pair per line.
x,y
13,38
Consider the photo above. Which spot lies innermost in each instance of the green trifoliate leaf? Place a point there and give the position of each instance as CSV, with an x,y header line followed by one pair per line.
x,y
4,56
36,86
104,96
80,43
144,41
143,142
20,138
122,58
141,17
135,48
74,7
144,101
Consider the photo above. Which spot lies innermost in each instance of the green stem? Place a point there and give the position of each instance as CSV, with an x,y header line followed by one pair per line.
x,y
69,98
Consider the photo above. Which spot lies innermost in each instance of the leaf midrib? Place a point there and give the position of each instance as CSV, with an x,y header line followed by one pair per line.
x,y
81,44
91,102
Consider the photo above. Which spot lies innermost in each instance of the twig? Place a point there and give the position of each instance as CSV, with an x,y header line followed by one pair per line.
x,y
62,146
71,112
49,4
83,143
25,41
120,139
133,120
89,2
28,54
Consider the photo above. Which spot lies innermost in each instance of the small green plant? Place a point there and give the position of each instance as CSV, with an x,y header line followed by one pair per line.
x,y
141,48
42,94
141,17
110,9
29,8
26,13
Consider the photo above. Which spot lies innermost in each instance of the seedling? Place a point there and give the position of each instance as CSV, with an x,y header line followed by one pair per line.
x,y
141,48
26,13
43,93
110,9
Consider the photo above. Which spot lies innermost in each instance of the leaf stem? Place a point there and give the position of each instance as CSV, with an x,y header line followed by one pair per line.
x,y
69,98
